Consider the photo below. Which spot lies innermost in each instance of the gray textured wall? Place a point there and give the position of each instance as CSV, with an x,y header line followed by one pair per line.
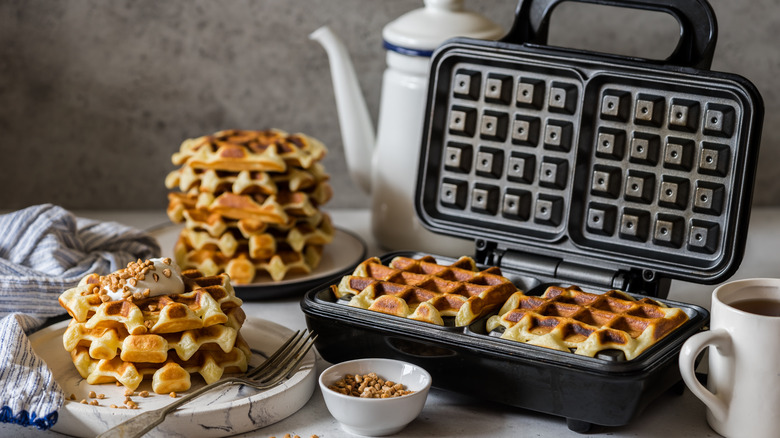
x,y
96,95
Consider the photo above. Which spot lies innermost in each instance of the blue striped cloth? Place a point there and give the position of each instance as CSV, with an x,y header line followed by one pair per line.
x,y
45,250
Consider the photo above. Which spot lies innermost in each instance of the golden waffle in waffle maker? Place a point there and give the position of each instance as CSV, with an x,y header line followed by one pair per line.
x,y
578,173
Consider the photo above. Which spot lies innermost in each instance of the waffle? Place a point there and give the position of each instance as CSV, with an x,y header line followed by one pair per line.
x,y
237,150
250,203
283,209
204,303
244,269
188,178
261,245
171,375
423,290
152,319
569,319
216,225
245,182
231,206
107,343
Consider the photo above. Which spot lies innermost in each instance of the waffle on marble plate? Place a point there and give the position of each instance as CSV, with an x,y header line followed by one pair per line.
x,y
122,332
250,202
172,375
571,320
423,290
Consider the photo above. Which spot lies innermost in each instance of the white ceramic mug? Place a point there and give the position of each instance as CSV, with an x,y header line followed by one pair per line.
x,y
743,384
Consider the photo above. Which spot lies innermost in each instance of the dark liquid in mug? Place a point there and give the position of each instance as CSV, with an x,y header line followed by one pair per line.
x,y
759,306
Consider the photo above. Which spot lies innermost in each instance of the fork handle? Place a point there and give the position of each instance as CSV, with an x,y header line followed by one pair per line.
x,y
140,424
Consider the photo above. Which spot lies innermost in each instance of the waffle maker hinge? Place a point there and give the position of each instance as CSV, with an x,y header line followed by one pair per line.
x,y
641,282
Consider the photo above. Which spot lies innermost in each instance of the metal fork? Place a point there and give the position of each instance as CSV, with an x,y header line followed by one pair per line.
x,y
282,363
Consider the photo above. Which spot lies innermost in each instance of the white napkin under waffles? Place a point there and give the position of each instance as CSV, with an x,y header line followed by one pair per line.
x,y
45,250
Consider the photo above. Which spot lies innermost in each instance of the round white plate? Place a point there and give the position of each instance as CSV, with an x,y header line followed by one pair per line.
x,y
346,250
222,412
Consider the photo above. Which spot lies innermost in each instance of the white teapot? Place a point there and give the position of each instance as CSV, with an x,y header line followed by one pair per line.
x,y
385,165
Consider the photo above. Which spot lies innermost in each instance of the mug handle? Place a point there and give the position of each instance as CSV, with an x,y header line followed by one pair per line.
x,y
691,349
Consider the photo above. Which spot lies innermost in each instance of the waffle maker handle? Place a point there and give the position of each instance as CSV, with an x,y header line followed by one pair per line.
x,y
698,26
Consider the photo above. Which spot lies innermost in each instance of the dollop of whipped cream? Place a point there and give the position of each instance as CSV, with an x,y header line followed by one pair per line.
x,y
142,279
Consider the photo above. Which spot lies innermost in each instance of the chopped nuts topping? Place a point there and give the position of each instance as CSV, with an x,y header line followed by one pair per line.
x,y
128,392
92,394
173,395
368,386
144,394
134,272
128,283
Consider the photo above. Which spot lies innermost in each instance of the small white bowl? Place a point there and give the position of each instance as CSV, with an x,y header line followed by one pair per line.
x,y
376,416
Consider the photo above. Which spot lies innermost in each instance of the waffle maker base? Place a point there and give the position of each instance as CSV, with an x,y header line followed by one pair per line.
x,y
468,360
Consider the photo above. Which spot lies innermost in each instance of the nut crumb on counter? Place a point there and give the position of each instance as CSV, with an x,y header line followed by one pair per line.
x,y
287,435
173,394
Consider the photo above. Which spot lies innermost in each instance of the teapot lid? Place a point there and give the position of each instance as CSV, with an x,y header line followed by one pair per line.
x,y
421,31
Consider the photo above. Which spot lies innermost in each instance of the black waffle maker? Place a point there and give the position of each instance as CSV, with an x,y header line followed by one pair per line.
x,y
570,167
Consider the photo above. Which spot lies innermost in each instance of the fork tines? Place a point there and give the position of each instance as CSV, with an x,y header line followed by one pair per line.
x,y
285,359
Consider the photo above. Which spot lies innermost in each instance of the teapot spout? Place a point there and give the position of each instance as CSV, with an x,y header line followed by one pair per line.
x,y
357,130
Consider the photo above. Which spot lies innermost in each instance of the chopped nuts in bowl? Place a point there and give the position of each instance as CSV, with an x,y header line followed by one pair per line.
x,y
374,397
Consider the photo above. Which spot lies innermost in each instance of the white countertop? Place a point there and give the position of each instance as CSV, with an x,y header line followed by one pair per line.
x,y
447,414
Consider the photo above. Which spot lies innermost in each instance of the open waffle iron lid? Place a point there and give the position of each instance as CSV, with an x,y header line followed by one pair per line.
x,y
588,165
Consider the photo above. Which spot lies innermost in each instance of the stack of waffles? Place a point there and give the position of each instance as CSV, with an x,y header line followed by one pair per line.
x,y
250,202
136,324
423,290
569,319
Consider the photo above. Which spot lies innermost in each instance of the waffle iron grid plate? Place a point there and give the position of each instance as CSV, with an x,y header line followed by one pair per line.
x,y
632,164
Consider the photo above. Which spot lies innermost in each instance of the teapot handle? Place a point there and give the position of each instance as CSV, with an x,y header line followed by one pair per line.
x,y
698,26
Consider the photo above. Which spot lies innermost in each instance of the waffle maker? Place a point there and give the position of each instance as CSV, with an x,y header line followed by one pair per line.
x,y
570,167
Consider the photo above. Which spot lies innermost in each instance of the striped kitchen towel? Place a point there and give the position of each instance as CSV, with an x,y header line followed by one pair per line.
x,y
45,250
